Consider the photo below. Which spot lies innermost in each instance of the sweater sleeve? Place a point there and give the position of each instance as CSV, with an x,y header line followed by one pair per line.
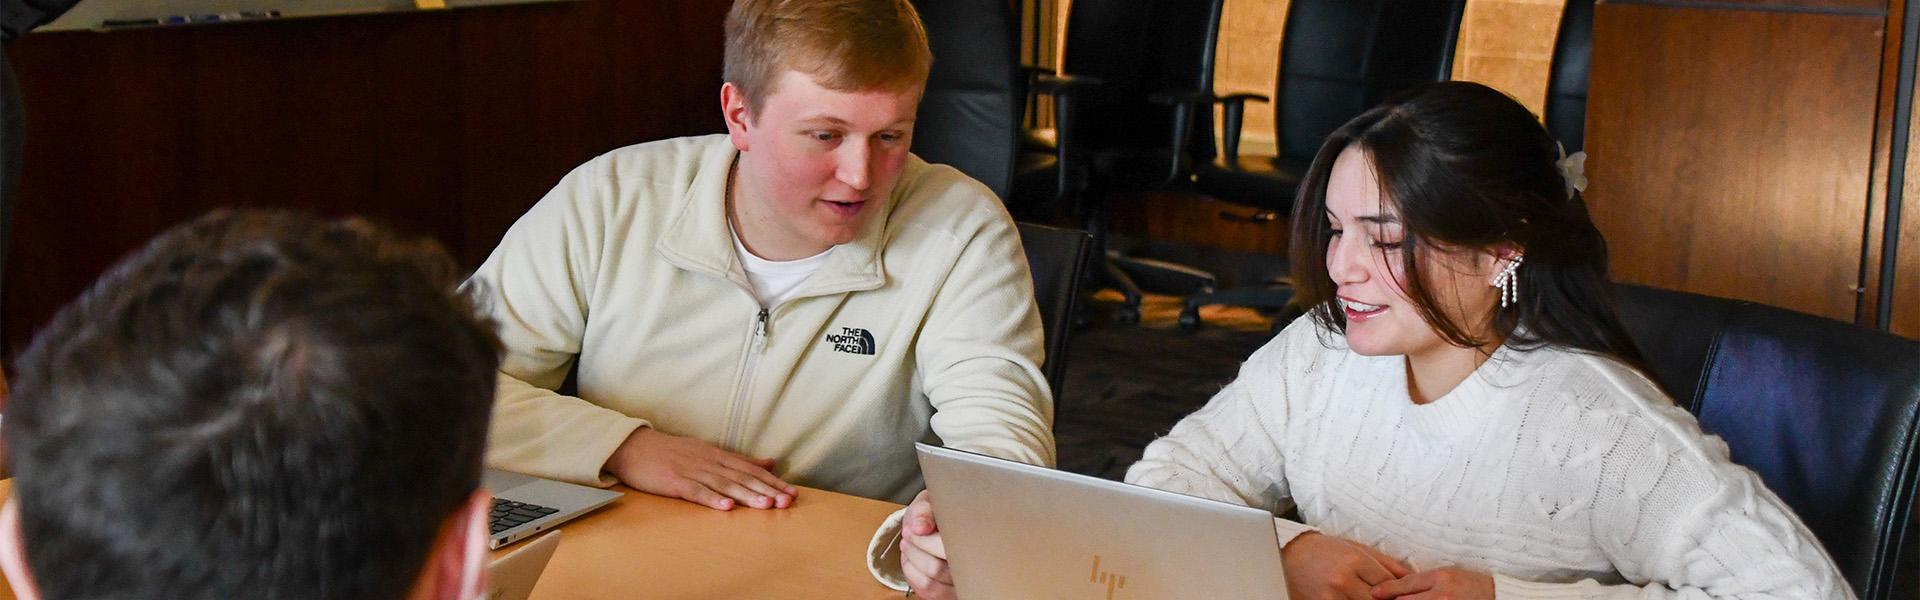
x,y
1230,450
979,350
1681,520
978,356
537,288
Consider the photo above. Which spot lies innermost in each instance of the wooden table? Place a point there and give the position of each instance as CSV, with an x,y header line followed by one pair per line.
x,y
645,546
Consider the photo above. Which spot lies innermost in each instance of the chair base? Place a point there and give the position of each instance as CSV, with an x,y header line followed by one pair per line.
x,y
1128,273
1276,296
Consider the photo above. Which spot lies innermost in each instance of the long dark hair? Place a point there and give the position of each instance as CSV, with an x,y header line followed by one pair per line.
x,y
1469,168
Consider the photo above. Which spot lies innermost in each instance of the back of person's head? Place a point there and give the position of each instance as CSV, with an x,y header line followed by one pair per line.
x,y
255,405
844,45
1465,167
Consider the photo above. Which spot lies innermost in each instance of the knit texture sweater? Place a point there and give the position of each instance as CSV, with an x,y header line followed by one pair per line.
x,y
1563,474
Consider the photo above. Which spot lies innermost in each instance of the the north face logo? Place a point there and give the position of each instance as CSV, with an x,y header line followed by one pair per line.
x,y
851,340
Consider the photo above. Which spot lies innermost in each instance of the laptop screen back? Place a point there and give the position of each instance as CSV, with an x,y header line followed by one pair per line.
x,y
1018,531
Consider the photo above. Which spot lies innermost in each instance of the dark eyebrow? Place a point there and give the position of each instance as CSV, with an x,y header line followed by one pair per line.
x,y
1374,219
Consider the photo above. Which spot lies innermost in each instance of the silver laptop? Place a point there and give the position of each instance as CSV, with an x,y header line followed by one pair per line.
x,y
525,505
513,576
1014,530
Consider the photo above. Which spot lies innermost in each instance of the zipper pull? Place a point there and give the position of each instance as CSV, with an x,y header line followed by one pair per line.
x,y
760,332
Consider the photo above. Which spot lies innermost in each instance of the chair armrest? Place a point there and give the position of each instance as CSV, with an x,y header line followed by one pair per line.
x,y
1234,107
1057,84
1173,97
1233,114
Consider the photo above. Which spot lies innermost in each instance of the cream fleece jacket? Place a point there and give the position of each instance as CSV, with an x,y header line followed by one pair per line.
x,y
924,326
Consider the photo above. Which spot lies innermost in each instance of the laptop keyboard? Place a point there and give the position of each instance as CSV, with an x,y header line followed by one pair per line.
x,y
508,514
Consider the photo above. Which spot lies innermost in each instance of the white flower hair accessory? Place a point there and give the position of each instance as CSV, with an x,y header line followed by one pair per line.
x,y
1573,170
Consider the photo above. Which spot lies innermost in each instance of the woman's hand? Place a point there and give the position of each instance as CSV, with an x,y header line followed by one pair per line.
x,y
1448,583
1324,567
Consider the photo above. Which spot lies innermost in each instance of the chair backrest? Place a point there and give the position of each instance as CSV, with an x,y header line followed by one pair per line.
x,y
1567,79
1058,258
1137,48
1340,57
970,114
1826,412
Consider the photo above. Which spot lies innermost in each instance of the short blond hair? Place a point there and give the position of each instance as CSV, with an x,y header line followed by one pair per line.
x,y
845,45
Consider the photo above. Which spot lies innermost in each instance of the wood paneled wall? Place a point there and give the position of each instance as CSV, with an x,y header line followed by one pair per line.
x,y
1731,149
449,124
1506,44
1906,284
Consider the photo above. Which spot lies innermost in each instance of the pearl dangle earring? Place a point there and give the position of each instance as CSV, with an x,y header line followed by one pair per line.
x,y
1509,281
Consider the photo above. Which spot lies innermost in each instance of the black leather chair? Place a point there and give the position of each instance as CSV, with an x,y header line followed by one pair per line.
x,y
970,114
1133,68
1566,116
1058,258
970,118
1826,412
1337,59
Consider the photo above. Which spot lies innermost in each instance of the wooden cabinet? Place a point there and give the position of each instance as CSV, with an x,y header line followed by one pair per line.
x,y
1732,148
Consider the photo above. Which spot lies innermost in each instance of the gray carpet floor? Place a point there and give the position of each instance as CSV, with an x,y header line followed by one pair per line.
x,y
1129,383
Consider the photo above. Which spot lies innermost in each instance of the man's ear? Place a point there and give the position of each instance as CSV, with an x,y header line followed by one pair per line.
x,y
13,556
457,565
734,109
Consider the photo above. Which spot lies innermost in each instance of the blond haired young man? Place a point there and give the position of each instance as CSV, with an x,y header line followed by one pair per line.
x,y
798,300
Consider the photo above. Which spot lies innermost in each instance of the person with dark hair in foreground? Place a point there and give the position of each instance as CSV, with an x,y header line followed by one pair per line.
x,y
255,405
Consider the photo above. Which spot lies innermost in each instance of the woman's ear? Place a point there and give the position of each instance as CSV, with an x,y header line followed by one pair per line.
x,y
1502,260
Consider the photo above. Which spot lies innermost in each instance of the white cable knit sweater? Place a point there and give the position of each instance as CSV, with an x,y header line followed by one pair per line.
x,y
1564,474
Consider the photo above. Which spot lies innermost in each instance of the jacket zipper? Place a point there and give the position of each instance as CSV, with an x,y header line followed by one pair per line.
x,y
736,413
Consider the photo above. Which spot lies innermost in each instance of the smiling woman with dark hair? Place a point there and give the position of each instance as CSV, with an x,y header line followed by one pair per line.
x,y
1462,412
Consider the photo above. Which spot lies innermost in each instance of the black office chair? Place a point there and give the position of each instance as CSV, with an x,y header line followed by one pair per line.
x,y
1058,258
1133,68
1826,412
1338,58
970,118
970,113
1566,109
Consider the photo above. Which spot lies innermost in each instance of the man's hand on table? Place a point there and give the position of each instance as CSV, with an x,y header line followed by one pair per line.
x,y
681,467
923,556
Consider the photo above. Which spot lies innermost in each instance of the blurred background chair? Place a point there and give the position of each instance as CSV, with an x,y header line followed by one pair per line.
x,y
1566,109
970,113
1337,59
1826,412
1131,68
970,118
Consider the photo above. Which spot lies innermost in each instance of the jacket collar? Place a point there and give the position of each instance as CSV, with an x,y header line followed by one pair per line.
x,y
699,238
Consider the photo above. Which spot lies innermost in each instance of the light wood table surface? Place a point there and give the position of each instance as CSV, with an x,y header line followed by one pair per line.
x,y
645,546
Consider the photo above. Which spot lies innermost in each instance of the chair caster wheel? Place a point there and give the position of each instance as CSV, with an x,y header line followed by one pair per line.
x,y
1127,314
1190,319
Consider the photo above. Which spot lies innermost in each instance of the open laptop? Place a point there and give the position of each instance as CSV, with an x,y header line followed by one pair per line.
x,y
1014,530
524,505
512,577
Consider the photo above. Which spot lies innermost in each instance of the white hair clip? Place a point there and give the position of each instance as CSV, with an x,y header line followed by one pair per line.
x,y
1573,170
